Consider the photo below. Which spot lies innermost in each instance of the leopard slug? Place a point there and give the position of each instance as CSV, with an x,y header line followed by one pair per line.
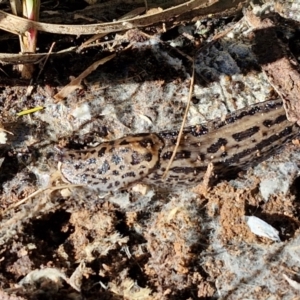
x,y
245,138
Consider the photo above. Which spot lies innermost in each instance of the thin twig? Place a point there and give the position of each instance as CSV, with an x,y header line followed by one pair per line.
x,y
45,60
182,124
15,205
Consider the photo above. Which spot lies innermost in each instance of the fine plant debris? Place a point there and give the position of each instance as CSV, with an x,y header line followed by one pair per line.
x,y
119,87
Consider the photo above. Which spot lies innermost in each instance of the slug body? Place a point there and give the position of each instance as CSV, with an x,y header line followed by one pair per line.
x,y
245,138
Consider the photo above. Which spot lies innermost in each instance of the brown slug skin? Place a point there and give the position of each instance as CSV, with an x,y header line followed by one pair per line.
x,y
245,138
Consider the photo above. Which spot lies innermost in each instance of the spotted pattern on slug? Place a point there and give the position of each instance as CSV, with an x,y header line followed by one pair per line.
x,y
243,139
113,165
232,145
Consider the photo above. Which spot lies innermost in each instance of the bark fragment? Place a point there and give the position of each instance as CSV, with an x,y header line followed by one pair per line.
x,y
278,63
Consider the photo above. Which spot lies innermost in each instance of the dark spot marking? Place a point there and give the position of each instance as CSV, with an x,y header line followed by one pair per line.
x,y
109,186
175,177
122,167
148,156
230,120
104,168
78,166
115,172
182,154
167,155
124,150
103,180
91,160
267,123
141,173
278,120
188,170
128,174
272,105
216,146
117,183
143,134
198,130
116,159
137,158
145,143
201,157
240,136
83,177
101,151
224,154
155,176
169,135
124,142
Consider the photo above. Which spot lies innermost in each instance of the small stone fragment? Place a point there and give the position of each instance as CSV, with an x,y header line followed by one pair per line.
x,y
263,229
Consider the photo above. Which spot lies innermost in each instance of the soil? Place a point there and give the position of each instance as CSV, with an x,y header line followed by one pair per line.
x,y
65,242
